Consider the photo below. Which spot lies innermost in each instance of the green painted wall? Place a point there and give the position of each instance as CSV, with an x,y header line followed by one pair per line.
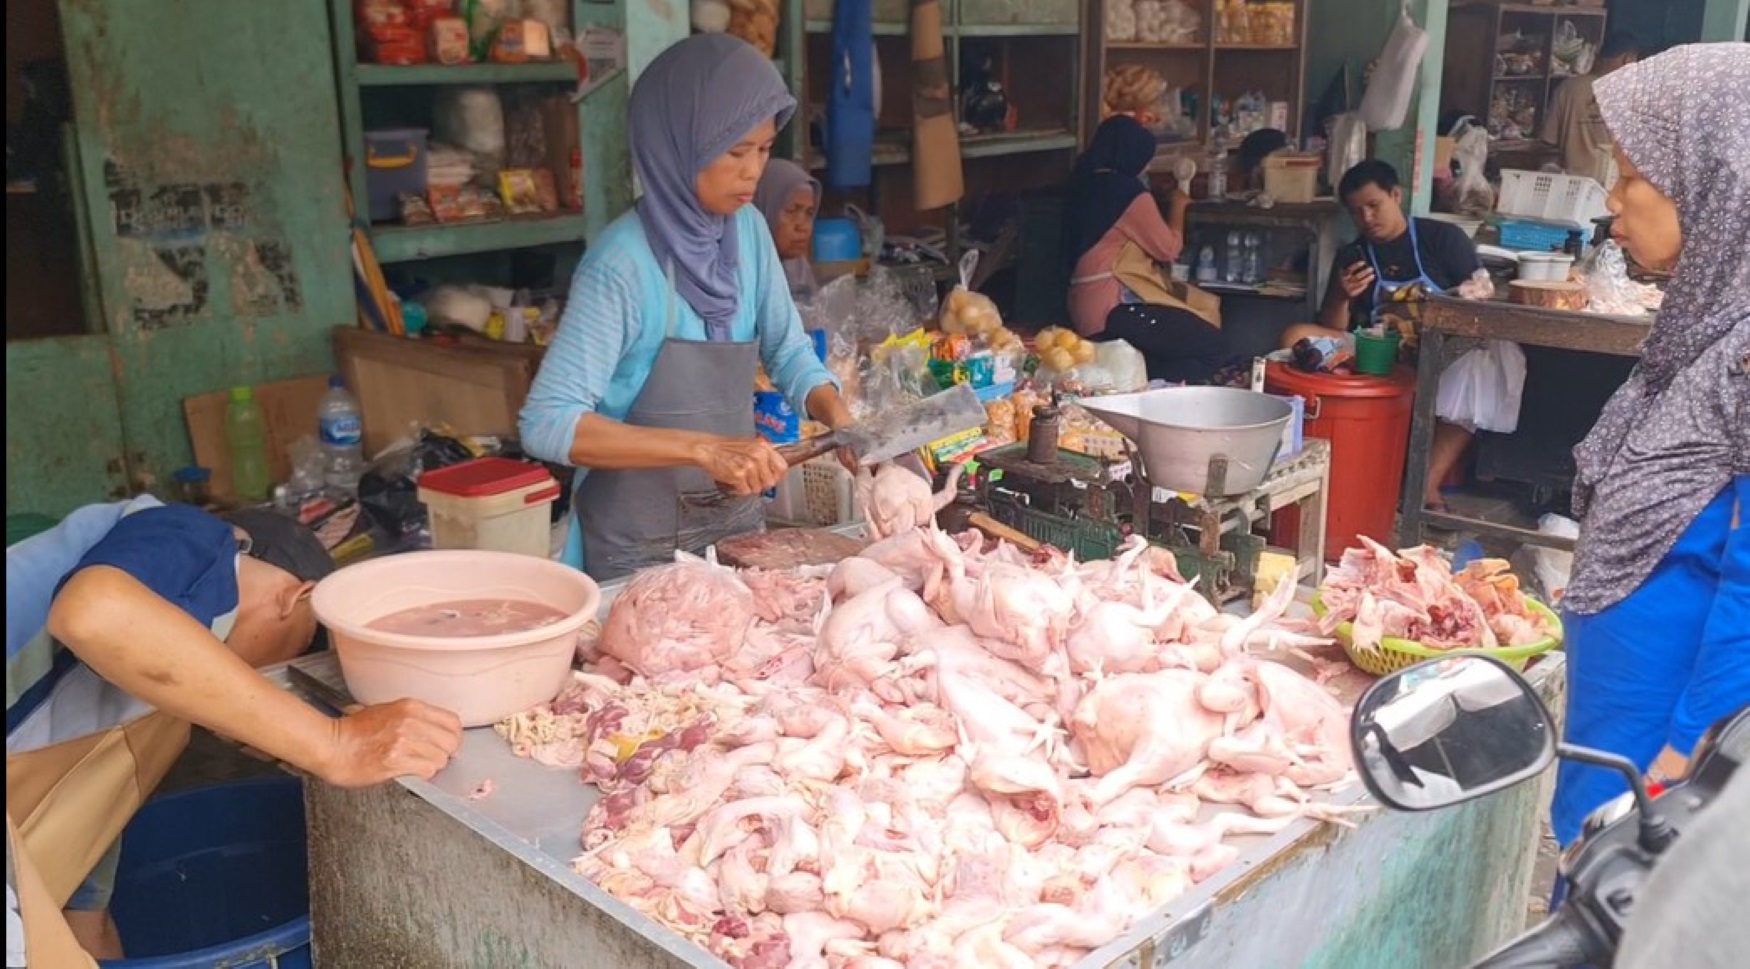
x,y
1725,20
1352,33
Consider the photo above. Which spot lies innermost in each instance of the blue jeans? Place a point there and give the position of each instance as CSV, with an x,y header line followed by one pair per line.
x,y
1660,667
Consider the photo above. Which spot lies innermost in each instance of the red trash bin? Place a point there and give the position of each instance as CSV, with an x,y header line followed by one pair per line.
x,y
1367,422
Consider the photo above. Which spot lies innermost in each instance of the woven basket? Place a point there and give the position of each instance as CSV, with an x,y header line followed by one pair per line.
x,y
1397,654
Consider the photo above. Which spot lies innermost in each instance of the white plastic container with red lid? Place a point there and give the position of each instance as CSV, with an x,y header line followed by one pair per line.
x,y
495,504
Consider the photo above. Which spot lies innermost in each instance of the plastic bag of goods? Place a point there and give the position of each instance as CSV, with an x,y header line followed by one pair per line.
x,y
1554,566
1130,89
471,118
1481,390
1121,20
1124,363
1387,100
756,21
1061,354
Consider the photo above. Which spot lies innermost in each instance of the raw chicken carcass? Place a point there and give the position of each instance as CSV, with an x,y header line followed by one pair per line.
x,y
895,500
1143,728
678,618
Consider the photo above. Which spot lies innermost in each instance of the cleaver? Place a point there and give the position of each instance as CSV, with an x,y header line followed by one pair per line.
x,y
887,435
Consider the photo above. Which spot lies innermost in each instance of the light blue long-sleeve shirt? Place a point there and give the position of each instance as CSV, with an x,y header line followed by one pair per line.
x,y
617,318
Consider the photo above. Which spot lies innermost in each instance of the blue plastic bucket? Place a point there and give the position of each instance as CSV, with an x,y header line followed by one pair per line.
x,y
837,240
216,877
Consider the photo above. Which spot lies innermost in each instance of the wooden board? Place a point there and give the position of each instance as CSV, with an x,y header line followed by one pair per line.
x,y
287,406
785,548
1548,295
473,388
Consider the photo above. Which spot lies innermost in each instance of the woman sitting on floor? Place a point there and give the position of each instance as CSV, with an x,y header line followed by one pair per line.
x,y
1109,215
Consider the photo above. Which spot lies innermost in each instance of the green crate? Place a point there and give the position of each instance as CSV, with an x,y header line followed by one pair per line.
x,y
1090,540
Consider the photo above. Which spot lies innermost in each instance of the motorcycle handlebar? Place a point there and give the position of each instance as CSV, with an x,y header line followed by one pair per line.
x,y
1562,942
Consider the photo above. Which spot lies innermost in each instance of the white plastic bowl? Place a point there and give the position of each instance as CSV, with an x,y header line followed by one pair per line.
x,y
482,679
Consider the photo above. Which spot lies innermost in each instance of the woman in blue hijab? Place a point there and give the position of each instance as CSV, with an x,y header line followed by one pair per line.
x,y
648,387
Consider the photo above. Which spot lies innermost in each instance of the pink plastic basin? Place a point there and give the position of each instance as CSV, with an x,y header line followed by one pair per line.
x,y
482,679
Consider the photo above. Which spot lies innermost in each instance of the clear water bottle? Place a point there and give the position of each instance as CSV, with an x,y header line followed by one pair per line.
x,y
1206,265
246,432
341,432
1254,258
1234,265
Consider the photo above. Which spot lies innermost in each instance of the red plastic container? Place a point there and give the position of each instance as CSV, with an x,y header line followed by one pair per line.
x,y
1367,421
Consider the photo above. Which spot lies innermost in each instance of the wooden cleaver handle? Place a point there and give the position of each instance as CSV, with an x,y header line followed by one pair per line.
x,y
996,529
808,449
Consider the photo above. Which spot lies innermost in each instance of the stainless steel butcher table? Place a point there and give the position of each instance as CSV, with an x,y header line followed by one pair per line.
x,y
415,875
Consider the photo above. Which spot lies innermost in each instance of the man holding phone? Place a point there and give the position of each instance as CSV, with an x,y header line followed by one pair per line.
x,y
1381,276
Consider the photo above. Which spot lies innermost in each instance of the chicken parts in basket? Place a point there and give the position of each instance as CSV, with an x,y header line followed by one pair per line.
x,y
940,755
1414,595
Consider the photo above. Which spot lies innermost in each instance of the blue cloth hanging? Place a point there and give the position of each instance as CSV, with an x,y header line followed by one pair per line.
x,y
851,109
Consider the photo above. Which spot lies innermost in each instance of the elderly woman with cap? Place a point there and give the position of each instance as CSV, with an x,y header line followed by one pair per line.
x,y
789,198
647,388
1658,607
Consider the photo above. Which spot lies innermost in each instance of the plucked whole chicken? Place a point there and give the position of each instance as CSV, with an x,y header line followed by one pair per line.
x,y
934,754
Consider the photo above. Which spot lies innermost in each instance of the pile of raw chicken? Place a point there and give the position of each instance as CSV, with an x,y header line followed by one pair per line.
x,y
1415,595
934,754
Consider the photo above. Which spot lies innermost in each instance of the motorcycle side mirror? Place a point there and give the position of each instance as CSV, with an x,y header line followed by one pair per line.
x,y
1447,731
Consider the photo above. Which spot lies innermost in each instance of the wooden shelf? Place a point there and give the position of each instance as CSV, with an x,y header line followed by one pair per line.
x,y
964,30
419,75
1145,45
1015,143
1206,68
396,243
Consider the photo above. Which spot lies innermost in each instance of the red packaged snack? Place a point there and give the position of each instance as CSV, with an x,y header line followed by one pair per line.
x,y
449,40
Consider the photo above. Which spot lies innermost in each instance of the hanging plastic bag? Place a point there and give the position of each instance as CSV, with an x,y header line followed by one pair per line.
x,y
1387,100
1476,197
1348,146
1554,566
1482,389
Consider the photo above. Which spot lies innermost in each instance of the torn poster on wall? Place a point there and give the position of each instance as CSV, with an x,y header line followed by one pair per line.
x,y
173,238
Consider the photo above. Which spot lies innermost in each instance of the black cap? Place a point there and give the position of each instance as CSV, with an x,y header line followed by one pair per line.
x,y
283,543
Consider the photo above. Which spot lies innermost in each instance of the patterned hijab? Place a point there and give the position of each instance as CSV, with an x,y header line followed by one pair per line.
x,y
1658,454
690,106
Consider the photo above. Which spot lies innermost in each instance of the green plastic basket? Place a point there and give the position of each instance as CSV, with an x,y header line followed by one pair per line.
x,y
1396,654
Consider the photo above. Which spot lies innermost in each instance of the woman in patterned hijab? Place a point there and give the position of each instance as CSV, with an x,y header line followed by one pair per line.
x,y
1658,609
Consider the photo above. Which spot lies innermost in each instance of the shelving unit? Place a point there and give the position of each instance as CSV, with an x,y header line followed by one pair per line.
x,y
1017,35
1205,68
375,95
1503,54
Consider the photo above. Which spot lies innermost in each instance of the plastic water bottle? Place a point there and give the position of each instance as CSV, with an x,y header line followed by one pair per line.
x,y
1234,263
246,432
1254,258
341,432
1206,265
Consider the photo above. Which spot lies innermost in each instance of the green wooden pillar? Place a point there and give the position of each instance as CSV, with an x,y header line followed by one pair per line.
x,y
1724,20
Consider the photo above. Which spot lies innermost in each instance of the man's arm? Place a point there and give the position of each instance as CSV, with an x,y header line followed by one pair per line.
x,y
155,651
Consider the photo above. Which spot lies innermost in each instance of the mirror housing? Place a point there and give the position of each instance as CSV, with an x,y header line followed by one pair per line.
x,y
1449,730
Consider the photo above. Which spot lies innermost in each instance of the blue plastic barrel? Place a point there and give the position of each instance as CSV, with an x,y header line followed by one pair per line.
x,y
216,877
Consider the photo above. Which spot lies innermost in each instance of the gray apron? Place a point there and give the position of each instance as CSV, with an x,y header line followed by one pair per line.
x,y
635,519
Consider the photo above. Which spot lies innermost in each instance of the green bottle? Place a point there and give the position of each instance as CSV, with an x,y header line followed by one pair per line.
x,y
247,433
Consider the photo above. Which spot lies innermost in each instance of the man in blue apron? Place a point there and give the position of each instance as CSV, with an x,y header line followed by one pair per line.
x,y
1383,277
648,386
125,624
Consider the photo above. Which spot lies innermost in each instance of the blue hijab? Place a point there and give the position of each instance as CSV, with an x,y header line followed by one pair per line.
x,y
690,106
